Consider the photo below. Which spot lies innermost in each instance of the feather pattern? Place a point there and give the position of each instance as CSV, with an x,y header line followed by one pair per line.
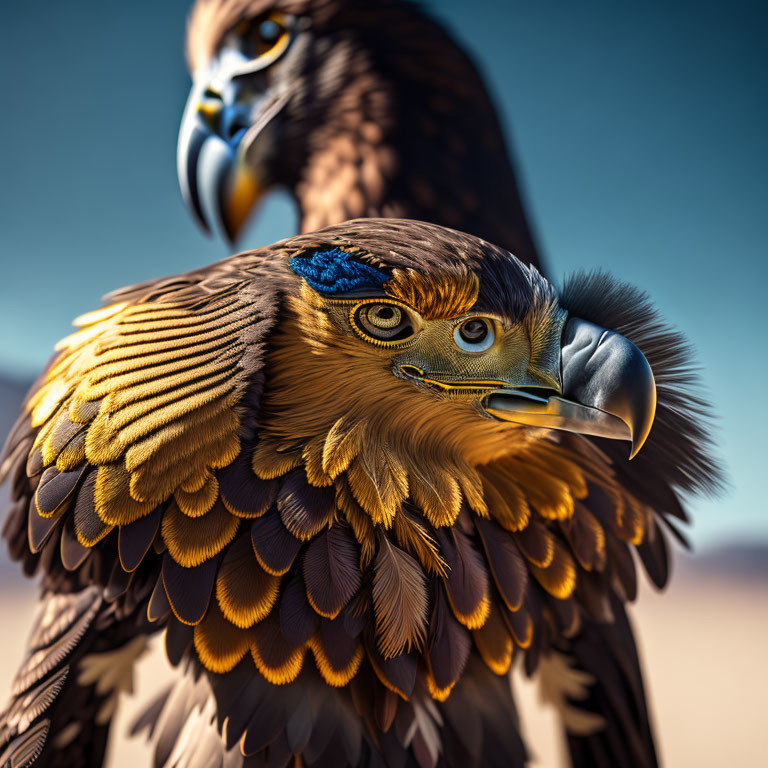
x,y
467,582
331,573
415,537
245,592
449,649
244,494
274,546
399,600
505,563
305,509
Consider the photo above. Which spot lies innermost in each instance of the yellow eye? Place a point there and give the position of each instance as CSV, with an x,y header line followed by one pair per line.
x,y
383,322
268,34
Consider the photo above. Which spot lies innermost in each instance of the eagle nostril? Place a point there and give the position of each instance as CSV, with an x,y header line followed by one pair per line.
x,y
212,93
412,371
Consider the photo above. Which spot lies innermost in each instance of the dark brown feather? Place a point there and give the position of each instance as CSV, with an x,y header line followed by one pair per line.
x,y
56,488
510,573
450,646
339,646
494,642
305,509
244,494
536,543
39,528
159,608
331,572
275,547
297,619
239,712
178,638
189,589
654,554
118,584
263,728
134,540
73,553
520,625
467,582
586,537
274,648
89,527
622,569
298,727
397,673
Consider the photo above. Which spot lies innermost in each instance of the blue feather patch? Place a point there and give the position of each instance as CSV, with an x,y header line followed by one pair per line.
x,y
336,272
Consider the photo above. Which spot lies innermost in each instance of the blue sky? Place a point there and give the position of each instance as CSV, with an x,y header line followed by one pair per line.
x,y
640,130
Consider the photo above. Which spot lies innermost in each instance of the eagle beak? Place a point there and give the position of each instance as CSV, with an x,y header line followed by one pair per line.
x,y
608,389
224,140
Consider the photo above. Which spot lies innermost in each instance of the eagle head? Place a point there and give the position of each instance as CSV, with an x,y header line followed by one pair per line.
x,y
441,344
357,108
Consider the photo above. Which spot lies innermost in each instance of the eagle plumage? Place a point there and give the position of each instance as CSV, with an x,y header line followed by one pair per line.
x,y
352,475
369,108
356,107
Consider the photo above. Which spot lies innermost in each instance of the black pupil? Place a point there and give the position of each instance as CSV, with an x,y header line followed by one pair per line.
x,y
385,313
474,331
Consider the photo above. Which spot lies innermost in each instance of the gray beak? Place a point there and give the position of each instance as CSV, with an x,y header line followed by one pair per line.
x,y
218,187
228,133
608,389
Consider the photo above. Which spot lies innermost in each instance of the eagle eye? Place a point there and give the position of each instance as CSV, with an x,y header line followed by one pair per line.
x,y
474,335
383,322
267,33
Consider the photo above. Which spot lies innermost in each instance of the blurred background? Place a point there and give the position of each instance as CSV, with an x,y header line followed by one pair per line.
x,y
640,136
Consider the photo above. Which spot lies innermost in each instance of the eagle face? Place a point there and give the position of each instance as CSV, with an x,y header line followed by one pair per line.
x,y
263,74
356,108
473,340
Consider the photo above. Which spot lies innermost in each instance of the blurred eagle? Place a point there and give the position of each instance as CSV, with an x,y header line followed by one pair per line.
x,y
353,475
356,107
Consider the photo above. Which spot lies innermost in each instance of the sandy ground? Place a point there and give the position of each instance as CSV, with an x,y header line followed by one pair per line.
x,y
703,643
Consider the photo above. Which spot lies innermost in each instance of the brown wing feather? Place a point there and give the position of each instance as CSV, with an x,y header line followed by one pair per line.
x,y
399,600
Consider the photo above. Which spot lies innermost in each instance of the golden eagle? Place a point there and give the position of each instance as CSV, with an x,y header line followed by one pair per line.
x,y
353,475
369,108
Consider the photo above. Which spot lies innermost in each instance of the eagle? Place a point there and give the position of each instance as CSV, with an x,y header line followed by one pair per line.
x,y
353,476
359,108
370,108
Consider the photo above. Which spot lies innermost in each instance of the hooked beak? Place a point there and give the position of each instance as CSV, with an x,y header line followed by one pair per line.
x,y
608,389
217,186
224,143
